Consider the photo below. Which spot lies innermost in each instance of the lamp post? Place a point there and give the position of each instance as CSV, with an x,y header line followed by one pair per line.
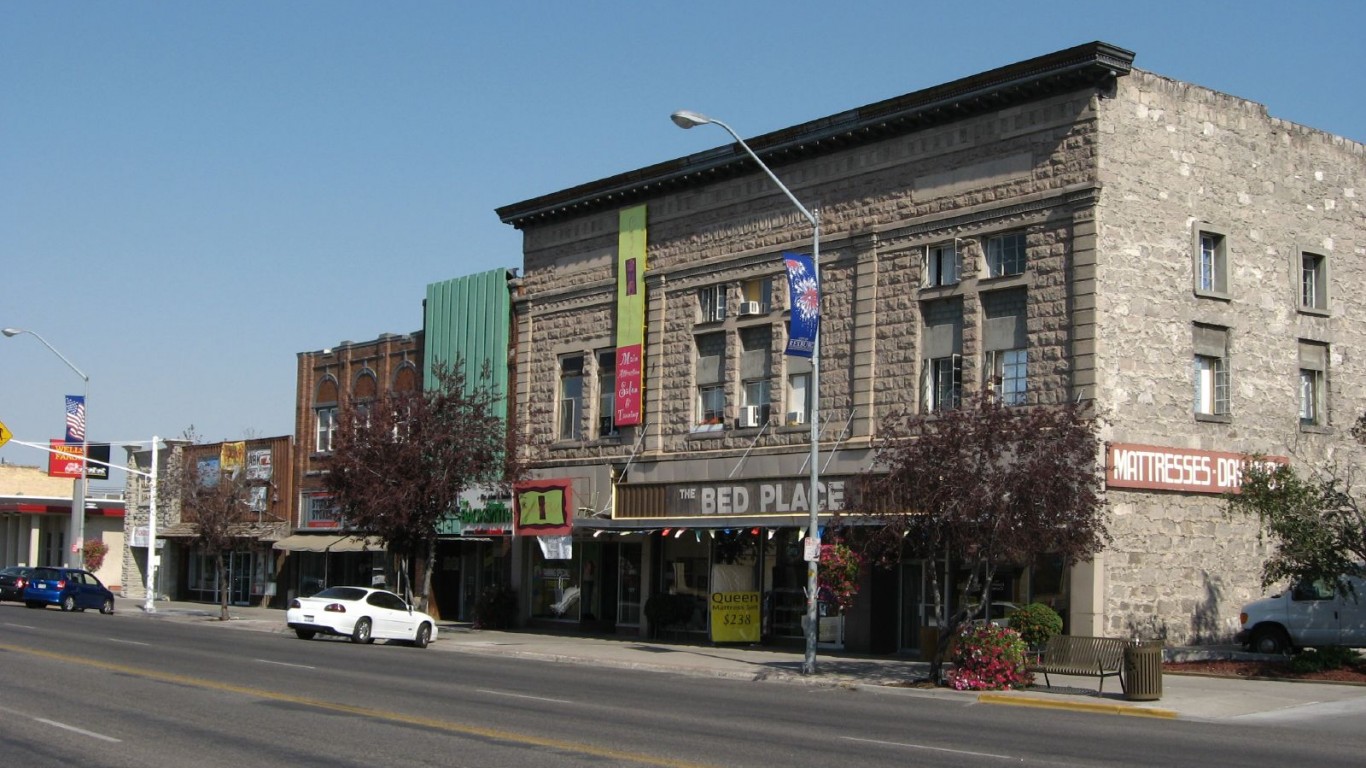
x,y
688,119
78,496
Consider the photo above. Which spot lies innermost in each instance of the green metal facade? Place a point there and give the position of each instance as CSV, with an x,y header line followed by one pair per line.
x,y
468,319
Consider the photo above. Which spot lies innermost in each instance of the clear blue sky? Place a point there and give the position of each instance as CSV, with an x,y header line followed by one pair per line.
x,y
192,193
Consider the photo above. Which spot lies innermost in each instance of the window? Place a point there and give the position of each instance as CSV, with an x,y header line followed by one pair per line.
x,y
1006,254
571,397
799,395
1211,371
941,265
709,372
1004,340
712,301
756,296
1313,281
711,404
943,383
756,344
1313,384
327,427
321,512
1006,374
1211,262
607,393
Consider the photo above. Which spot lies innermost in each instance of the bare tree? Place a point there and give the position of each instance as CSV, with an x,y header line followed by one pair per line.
x,y
400,462
989,485
218,507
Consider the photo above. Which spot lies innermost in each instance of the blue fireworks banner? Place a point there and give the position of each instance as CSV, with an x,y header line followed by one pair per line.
x,y
804,294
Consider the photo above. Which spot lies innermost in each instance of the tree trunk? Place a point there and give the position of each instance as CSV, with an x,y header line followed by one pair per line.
x,y
222,587
429,604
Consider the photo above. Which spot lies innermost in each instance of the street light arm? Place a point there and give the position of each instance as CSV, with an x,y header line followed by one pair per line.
x,y
687,119
12,332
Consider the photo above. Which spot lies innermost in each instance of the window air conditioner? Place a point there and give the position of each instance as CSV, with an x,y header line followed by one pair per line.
x,y
751,416
796,417
749,308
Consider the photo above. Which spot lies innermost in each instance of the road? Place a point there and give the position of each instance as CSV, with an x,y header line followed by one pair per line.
x,y
126,690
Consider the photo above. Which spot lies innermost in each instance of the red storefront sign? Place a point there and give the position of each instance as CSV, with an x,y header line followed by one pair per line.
x,y
1151,467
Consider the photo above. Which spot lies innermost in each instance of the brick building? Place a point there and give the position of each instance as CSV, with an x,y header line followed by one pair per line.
x,y
321,550
1068,226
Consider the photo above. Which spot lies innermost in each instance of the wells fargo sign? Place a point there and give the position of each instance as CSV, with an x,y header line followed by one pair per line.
x,y
1176,469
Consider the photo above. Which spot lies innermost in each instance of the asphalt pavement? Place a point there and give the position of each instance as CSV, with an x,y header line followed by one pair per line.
x,y
1186,697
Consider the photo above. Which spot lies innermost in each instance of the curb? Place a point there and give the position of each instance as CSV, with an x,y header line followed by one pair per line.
x,y
1077,706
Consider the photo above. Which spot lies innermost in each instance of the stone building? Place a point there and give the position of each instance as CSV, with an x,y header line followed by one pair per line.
x,y
1067,227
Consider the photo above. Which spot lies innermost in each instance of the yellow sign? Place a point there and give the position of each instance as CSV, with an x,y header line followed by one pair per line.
x,y
735,617
5,434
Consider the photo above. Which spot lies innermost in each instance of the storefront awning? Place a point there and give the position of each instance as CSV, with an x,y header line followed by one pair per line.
x,y
331,542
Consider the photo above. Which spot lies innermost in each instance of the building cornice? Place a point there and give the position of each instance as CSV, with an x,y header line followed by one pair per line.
x,y
1090,65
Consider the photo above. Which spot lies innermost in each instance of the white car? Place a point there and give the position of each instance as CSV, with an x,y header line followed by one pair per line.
x,y
360,613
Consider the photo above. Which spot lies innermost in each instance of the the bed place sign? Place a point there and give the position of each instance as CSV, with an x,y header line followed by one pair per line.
x,y
1176,469
757,497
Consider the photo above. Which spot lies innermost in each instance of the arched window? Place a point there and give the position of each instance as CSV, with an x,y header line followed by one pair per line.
x,y
405,378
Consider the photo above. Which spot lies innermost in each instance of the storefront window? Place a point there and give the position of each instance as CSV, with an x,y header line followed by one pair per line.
x,y
628,584
686,572
555,588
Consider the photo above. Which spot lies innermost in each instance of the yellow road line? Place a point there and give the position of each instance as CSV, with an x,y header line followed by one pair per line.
x,y
378,714
1076,706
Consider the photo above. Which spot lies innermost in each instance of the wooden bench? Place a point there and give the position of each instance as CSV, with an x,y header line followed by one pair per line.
x,y
1088,656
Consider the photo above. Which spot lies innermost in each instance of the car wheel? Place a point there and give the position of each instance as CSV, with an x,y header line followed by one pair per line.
x,y
1270,640
108,607
69,603
33,603
361,634
423,636
305,634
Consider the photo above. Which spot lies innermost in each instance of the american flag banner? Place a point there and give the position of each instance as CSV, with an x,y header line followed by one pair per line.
x,y
75,419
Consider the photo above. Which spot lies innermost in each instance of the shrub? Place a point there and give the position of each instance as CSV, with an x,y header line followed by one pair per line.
x,y
1036,623
1325,658
838,575
496,608
988,658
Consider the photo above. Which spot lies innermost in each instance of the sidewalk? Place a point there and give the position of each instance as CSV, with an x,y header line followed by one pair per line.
x,y
1186,697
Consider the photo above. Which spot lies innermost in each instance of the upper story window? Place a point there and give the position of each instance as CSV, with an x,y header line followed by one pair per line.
x,y
325,414
941,345
798,392
756,296
1313,384
709,373
711,300
571,398
1006,254
1211,371
1313,282
755,361
321,512
942,266
1005,337
607,393
1210,262
942,383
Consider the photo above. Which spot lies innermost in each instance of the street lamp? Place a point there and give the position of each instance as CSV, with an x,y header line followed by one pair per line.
x,y
78,496
688,119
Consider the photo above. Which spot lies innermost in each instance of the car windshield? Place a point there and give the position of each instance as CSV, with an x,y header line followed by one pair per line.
x,y
342,593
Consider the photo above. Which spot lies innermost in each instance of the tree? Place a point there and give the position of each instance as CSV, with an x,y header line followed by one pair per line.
x,y
1317,528
400,462
218,506
987,484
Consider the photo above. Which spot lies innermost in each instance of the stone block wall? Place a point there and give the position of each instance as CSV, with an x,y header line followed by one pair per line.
x,y
1174,155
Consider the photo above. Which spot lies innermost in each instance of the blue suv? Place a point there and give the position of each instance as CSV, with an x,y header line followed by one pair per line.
x,y
71,588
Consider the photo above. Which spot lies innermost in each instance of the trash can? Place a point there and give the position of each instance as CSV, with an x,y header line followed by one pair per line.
x,y
1143,671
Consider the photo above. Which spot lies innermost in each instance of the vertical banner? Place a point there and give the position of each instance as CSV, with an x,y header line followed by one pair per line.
x,y
75,419
804,294
630,316
543,508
